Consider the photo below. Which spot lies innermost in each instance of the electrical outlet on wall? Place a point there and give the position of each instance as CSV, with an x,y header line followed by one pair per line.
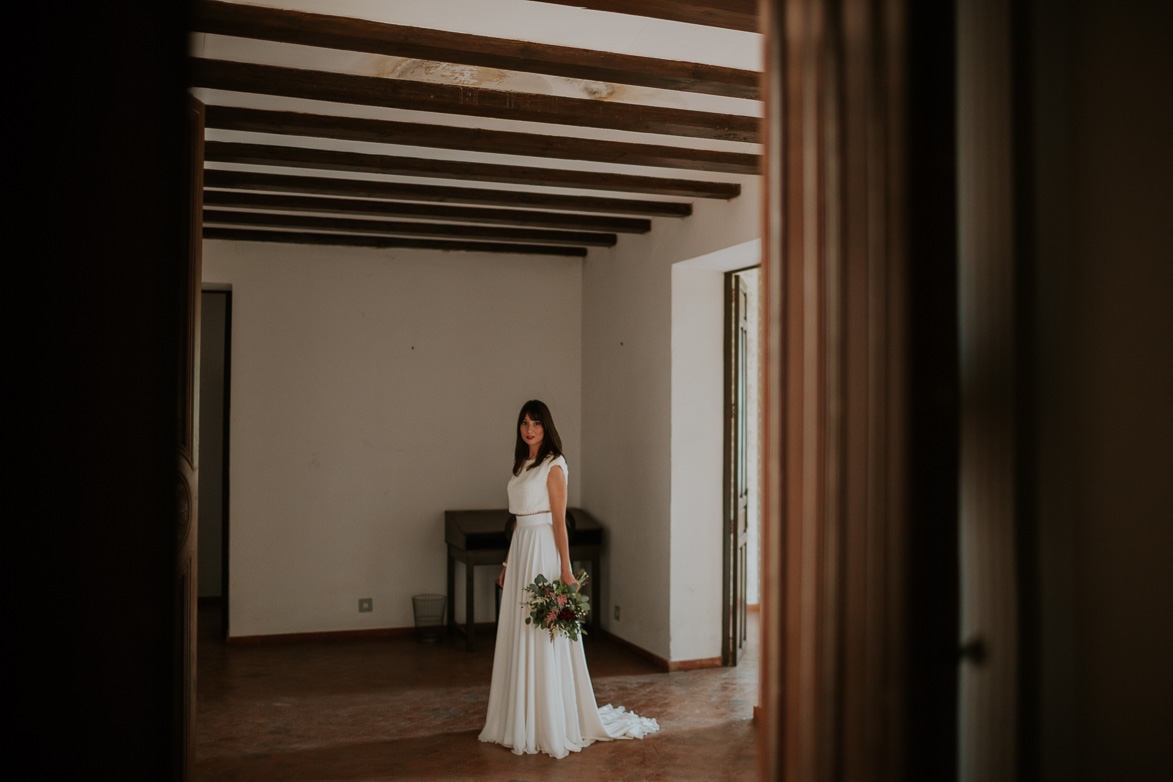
x,y
365,605
616,613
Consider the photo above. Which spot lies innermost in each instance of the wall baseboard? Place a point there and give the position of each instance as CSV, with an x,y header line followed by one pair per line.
x,y
668,666
694,665
664,665
337,635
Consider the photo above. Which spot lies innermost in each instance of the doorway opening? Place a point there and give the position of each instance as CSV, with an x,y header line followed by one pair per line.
x,y
742,472
707,588
215,405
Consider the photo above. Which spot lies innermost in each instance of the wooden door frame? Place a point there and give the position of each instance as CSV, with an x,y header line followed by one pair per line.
x,y
994,331
728,656
837,462
728,592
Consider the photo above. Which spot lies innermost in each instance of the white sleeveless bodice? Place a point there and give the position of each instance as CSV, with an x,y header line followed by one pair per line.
x,y
528,492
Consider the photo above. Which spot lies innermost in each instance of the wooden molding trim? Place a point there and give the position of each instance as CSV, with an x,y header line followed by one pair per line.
x,y
386,242
462,214
331,635
771,709
401,228
730,14
401,191
403,632
467,101
836,405
694,665
292,123
332,160
392,40
661,663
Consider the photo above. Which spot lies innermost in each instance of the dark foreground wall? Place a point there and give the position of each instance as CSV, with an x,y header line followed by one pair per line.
x,y
1103,232
95,96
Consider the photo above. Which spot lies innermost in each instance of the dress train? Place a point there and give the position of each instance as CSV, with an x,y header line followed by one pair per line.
x,y
541,698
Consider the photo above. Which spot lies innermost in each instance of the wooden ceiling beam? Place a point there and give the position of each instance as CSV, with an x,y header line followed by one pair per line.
x,y
404,191
401,228
730,14
333,160
468,101
462,214
383,242
500,142
391,40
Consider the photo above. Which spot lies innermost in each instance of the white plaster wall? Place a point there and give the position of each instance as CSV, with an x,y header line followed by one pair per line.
x,y
698,448
698,435
372,390
626,414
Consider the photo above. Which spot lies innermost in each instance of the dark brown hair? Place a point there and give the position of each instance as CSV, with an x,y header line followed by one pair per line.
x,y
551,442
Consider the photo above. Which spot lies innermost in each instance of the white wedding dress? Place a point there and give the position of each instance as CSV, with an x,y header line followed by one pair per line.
x,y
541,699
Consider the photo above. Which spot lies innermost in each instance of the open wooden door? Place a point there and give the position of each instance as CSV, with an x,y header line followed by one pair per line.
x,y
736,467
188,461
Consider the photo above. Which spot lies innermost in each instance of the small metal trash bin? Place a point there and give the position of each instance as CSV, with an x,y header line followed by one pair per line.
x,y
429,617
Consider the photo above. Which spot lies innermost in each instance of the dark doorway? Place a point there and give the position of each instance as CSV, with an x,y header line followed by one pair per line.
x,y
215,403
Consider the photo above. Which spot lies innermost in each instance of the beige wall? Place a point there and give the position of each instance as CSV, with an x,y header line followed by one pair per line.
x,y
372,390
627,425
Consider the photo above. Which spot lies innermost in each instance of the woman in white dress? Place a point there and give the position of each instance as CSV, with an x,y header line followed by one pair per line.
x,y
541,699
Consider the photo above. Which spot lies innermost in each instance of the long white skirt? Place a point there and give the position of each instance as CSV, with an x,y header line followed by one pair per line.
x,y
541,699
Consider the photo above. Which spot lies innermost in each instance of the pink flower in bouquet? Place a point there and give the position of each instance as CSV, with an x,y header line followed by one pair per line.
x,y
557,608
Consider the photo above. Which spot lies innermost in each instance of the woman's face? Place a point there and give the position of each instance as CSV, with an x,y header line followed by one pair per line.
x,y
532,431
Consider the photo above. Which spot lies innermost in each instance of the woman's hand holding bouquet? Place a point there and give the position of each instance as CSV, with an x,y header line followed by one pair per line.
x,y
558,607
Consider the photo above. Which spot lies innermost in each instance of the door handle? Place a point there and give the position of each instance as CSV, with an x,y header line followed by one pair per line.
x,y
973,651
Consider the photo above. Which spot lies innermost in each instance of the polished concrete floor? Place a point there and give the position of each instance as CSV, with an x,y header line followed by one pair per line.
x,y
397,709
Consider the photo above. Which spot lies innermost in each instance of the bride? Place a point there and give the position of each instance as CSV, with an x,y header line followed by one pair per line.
x,y
541,698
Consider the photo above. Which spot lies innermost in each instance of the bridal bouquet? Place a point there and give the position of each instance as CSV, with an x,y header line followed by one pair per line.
x,y
557,607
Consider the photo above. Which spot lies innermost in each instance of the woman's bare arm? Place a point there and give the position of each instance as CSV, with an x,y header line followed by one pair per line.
x,y
504,565
556,485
